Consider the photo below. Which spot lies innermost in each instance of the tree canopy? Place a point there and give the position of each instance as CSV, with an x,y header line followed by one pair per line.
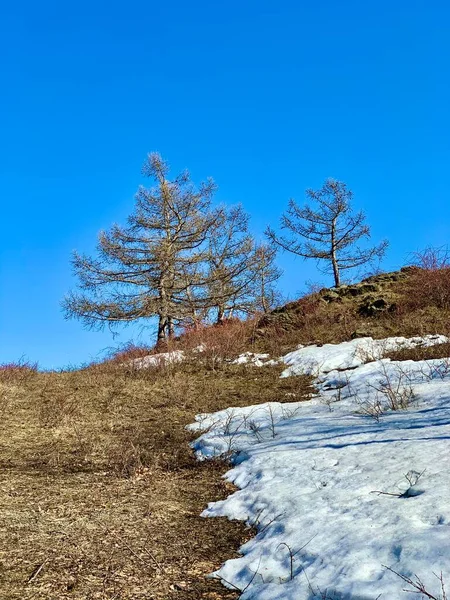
x,y
326,229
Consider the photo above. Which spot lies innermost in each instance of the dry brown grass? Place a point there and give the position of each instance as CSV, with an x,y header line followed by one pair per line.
x,y
310,320
429,283
420,353
332,324
100,494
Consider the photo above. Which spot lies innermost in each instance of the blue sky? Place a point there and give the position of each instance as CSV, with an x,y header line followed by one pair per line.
x,y
268,98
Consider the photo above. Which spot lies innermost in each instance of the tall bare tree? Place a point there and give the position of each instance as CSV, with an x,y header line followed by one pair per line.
x,y
328,230
148,268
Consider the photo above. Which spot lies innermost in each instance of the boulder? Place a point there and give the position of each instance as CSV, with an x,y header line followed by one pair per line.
x,y
373,306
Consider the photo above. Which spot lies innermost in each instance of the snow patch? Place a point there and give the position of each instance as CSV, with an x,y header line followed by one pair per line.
x,y
314,360
257,360
177,356
311,475
157,360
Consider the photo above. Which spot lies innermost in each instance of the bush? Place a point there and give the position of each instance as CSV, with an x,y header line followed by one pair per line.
x,y
218,343
17,371
129,352
429,283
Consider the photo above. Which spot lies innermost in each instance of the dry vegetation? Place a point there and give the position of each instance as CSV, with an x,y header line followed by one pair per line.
x,y
420,353
332,324
418,303
100,494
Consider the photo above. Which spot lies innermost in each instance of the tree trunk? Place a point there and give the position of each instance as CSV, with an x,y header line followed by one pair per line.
x,y
170,328
264,302
162,328
337,276
220,315
264,305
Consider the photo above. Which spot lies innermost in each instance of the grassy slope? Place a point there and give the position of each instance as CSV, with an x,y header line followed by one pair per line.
x,y
415,302
100,495
99,486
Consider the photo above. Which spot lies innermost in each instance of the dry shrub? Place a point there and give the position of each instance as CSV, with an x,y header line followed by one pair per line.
x,y
12,377
309,320
125,362
428,284
214,344
206,345
396,390
17,372
128,352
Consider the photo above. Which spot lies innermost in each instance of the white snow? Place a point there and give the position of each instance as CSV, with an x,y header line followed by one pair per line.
x,y
156,360
177,356
251,358
309,476
313,360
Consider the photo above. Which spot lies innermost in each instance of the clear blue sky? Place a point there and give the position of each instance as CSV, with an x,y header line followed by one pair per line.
x,y
269,98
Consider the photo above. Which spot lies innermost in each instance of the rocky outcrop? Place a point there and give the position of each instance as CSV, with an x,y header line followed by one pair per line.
x,y
371,297
374,285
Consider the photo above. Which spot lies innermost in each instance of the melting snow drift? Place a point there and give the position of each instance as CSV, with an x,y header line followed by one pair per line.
x,y
341,486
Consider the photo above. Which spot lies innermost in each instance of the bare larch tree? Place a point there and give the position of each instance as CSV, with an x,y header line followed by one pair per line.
x,y
265,294
231,263
328,230
150,267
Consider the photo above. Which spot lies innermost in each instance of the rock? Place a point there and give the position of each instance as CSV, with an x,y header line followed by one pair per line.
x,y
349,291
362,288
371,307
372,296
358,333
330,296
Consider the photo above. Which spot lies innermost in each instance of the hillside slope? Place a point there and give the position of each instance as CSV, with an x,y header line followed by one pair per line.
x,y
101,494
412,301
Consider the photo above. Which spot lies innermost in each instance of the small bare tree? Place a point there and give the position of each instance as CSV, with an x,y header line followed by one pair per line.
x,y
265,294
155,266
230,255
242,274
328,231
